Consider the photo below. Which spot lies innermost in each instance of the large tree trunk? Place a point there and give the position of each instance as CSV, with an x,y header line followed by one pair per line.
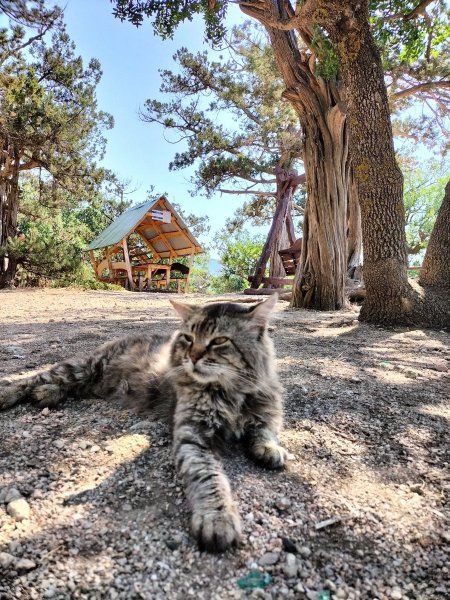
x,y
9,201
390,297
320,278
436,265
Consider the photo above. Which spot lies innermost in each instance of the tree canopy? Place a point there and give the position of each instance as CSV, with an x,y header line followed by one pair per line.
x,y
231,115
413,36
49,118
165,16
48,107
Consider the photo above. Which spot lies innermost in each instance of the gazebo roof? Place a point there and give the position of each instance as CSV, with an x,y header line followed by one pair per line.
x,y
167,238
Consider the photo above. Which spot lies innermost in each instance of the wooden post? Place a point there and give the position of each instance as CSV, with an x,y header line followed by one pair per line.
x,y
149,277
110,267
127,262
167,279
191,260
94,264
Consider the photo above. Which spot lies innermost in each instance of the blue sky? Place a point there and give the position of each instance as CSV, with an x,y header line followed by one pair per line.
x,y
130,59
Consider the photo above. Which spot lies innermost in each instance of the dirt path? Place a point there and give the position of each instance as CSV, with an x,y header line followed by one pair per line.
x,y
367,425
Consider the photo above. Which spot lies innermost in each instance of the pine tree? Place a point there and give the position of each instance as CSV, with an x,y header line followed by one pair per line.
x,y
49,118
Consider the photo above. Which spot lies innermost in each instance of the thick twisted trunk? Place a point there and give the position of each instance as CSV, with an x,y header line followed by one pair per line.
x,y
320,278
390,297
436,265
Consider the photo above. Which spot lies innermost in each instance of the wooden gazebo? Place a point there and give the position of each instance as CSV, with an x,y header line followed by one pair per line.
x,y
140,248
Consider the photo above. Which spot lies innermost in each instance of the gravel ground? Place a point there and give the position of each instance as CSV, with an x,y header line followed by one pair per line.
x,y
90,506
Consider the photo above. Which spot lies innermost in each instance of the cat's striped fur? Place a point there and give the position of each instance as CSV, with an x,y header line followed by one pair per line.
x,y
214,380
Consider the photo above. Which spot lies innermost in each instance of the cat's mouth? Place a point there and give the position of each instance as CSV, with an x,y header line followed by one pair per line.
x,y
204,373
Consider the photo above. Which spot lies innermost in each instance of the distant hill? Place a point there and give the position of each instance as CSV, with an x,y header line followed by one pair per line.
x,y
214,267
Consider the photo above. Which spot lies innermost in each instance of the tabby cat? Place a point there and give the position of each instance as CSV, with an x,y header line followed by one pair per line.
x,y
213,380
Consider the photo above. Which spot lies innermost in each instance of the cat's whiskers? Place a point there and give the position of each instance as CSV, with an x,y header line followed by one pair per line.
x,y
171,374
229,370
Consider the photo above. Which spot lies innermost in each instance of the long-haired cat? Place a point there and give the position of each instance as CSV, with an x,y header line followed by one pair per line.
x,y
214,379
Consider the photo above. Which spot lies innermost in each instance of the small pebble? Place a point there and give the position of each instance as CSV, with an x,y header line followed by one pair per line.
x,y
304,551
446,536
283,503
269,558
19,509
290,567
24,564
6,559
11,494
289,545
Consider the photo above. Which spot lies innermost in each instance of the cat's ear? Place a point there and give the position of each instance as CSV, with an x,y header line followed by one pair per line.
x,y
184,310
260,313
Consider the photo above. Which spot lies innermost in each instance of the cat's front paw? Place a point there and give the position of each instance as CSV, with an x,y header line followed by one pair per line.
x,y
269,455
216,530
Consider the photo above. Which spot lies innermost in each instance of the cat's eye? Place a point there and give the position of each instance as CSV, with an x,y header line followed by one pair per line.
x,y
185,337
218,341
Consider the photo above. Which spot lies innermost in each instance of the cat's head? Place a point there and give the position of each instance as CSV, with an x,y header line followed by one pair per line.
x,y
224,342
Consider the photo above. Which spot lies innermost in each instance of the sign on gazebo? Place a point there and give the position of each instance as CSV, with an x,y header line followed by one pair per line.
x,y
161,215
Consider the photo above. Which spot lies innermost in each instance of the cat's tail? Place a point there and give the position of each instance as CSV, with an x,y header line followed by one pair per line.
x,y
49,387
73,377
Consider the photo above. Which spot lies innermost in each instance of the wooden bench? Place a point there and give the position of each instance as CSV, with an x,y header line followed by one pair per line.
x,y
179,274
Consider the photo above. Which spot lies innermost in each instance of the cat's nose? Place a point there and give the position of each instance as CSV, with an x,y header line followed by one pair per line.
x,y
195,357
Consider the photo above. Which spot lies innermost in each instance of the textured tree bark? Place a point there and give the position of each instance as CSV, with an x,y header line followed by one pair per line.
x,y
9,201
320,278
436,264
390,297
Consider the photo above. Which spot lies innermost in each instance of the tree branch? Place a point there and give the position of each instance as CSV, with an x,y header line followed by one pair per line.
x,y
32,164
420,10
421,87
305,14
247,192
